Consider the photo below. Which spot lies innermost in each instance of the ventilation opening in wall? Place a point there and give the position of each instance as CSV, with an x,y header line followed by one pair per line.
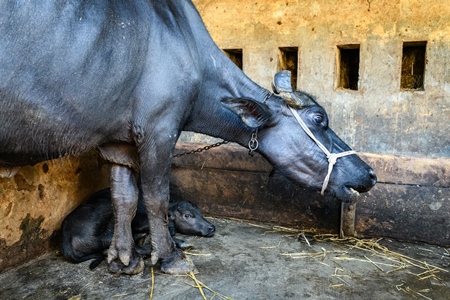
x,y
348,66
413,66
288,60
235,55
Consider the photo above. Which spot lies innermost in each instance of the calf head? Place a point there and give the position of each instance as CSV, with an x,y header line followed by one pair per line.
x,y
294,136
186,218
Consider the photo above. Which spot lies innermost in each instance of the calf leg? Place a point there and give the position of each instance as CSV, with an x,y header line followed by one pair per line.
x,y
122,256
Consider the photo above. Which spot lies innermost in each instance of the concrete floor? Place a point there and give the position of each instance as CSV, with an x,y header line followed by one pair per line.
x,y
244,261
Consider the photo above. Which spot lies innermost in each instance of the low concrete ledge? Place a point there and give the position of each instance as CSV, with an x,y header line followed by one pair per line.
x,y
410,202
416,171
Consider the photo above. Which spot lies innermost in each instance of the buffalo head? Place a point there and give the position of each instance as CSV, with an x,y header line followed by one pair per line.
x,y
293,134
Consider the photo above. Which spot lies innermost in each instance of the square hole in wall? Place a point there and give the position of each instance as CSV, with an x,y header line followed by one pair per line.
x,y
413,66
348,66
235,55
288,60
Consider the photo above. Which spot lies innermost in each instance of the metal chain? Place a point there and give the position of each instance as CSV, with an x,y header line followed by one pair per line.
x,y
202,149
253,143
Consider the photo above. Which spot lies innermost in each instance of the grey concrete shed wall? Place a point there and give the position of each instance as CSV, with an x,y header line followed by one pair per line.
x,y
379,117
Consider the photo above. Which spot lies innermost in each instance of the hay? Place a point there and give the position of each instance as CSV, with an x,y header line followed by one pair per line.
x,y
383,259
340,277
191,253
271,247
412,292
197,285
302,235
200,286
373,247
153,284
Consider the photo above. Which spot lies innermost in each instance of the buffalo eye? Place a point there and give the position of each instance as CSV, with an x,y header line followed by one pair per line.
x,y
187,216
318,119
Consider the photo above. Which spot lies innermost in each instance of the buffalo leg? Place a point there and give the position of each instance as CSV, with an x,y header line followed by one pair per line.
x,y
155,187
122,256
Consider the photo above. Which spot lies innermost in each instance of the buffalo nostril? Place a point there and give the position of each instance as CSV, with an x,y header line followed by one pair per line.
x,y
211,228
373,176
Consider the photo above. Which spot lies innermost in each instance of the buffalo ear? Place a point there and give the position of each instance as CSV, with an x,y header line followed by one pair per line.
x,y
253,113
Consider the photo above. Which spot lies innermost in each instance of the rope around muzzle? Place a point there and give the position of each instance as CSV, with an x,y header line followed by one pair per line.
x,y
332,157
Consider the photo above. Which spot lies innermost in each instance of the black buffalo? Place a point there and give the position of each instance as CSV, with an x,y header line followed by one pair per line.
x,y
88,230
126,77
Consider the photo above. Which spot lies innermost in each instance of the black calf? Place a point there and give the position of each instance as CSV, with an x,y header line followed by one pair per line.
x,y
87,231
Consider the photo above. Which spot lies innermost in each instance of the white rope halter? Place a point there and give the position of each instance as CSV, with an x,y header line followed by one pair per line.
x,y
332,157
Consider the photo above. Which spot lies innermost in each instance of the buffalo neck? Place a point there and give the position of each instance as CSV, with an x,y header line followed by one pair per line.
x,y
219,79
209,116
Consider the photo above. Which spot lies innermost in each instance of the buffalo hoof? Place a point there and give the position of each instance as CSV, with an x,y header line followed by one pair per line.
x,y
120,260
135,266
178,264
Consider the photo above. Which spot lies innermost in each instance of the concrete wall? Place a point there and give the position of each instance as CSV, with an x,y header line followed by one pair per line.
x,y
34,202
411,200
379,117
